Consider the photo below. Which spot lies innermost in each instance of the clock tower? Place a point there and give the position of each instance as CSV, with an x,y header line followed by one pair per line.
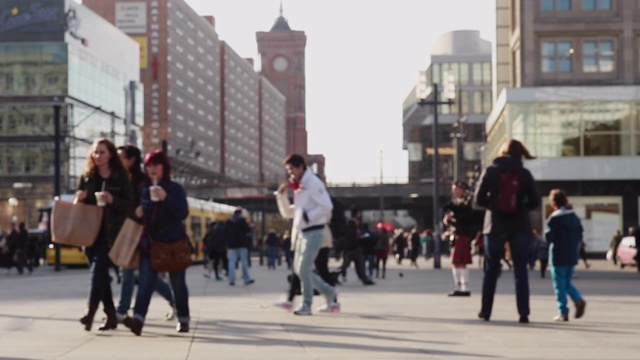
x,y
282,57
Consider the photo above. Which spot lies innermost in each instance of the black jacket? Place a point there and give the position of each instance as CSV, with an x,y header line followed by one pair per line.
x,y
237,233
120,188
528,198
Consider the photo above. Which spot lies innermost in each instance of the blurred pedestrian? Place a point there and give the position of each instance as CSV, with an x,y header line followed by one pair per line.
x,y
508,191
272,242
564,234
216,245
463,222
311,214
105,175
286,248
238,235
613,246
353,247
163,208
382,251
131,159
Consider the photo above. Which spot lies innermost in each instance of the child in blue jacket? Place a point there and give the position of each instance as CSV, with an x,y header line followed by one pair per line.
x,y
564,234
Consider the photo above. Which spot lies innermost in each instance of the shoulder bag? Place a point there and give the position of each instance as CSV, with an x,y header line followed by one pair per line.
x,y
171,256
75,224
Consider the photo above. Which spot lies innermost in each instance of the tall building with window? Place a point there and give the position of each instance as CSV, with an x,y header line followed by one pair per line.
x,y
566,81
204,102
58,55
465,57
282,55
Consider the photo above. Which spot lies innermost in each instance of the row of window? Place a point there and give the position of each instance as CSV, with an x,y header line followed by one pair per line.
x,y
567,5
463,73
481,99
597,55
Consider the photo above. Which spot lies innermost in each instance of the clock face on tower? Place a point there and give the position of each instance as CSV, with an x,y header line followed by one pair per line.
x,y
280,63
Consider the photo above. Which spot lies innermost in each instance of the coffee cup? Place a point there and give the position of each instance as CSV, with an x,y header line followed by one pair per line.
x,y
153,193
100,198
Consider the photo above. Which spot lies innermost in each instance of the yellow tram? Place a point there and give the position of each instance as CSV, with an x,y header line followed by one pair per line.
x,y
201,213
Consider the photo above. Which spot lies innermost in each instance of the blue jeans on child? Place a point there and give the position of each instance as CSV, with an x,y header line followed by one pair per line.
x,y
561,276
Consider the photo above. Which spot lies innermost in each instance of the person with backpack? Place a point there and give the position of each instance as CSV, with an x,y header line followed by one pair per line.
x,y
508,192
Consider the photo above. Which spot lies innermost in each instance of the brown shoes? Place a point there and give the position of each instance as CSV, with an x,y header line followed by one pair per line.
x,y
133,324
182,327
580,306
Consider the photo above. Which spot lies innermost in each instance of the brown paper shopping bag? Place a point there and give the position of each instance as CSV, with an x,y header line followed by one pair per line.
x,y
75,224
124,252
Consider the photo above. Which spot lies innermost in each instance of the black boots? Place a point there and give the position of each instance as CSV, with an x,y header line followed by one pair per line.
x,y
182,327
87,319
111,322
133,324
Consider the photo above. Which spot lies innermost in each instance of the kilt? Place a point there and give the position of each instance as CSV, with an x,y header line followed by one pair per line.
x,y
461,251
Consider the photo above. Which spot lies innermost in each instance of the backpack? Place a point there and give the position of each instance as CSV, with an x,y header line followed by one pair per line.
x,y
507,200
338,223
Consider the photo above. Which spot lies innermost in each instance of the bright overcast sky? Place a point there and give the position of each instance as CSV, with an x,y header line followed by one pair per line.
x,y
362,59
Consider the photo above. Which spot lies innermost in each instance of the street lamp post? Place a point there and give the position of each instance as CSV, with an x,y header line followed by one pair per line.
x,y
58,164
436,173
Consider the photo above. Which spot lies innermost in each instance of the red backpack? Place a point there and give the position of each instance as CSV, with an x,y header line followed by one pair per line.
x,y
507,200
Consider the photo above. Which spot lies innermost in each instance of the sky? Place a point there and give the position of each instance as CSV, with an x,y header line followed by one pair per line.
x,y
362,60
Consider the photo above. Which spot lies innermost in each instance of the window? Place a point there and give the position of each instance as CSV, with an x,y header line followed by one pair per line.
x,y
556,5
556,56
597,5
482,102
598,56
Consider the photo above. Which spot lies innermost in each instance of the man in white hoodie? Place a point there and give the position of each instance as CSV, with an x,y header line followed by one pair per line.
x,y
311,212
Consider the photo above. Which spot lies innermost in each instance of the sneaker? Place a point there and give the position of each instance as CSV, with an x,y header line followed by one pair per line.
x,y
207,274
171,314
331,297
250,282
561,318
304,309
368,282
580,306
232,284
523,319
334,307
284,304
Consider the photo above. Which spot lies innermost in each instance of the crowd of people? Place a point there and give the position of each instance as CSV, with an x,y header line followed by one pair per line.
x,y
492,221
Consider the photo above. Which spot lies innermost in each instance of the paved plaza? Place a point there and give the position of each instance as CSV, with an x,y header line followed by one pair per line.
x,y
408,317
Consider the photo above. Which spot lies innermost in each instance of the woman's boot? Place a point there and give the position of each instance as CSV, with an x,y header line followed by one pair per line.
x,y
111,322
87,319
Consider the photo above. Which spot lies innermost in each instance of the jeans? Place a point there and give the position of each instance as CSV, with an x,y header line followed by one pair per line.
x,y
494,252
243,254
307,248
358,259
100,282
148,278
272,254
126,291
562,286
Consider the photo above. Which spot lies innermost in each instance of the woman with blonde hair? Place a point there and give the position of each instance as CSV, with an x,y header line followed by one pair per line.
x,y
104,182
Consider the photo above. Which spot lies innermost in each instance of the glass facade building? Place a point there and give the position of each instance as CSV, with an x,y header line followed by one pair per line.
x,y
84,68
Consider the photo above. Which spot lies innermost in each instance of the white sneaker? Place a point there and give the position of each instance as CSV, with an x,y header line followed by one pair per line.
x,y
171,314
304,309
331,297
334,307
284,304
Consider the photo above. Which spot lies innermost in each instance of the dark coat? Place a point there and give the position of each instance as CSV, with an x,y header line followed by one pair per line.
x,y
238,233
352,236
564,235
528,198
468,221
119,186
164,219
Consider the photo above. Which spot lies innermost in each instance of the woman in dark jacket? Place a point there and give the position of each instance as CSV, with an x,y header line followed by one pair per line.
x,y
104,173
502,226
132,160
163,208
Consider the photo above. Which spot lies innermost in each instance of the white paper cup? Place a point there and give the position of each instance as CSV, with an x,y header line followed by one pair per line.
x,y
99,199
153,192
